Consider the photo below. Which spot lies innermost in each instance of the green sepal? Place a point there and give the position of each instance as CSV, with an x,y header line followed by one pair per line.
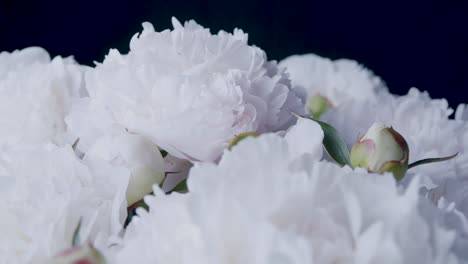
x,y
397,168
431,160
76,235
240,137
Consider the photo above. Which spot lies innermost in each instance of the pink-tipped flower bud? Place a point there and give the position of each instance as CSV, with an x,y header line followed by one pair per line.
x,y
380,150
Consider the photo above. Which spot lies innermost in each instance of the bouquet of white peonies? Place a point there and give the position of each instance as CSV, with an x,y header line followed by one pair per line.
x,y
195,148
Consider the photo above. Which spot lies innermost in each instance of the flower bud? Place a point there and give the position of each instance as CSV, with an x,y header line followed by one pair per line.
x,y
318,105
81,254
380,150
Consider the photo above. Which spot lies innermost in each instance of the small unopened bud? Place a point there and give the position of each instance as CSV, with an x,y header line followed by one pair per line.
x,y
318,105
84,254
241,137
380,150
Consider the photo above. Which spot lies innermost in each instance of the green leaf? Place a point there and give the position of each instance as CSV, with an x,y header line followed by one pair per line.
x,y
333,142
430,160
76,235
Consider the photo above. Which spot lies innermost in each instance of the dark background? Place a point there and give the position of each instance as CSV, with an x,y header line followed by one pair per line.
x,y
408,43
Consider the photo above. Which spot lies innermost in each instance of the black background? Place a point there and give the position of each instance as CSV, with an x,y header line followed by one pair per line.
x,y
408,43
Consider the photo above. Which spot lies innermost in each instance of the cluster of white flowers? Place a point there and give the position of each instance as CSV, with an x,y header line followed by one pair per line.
x,y
259,205
93,160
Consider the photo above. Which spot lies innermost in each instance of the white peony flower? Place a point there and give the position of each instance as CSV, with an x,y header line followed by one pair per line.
x,y
446,214
264,204
338,81
45,191
189,91
451,196
35,95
